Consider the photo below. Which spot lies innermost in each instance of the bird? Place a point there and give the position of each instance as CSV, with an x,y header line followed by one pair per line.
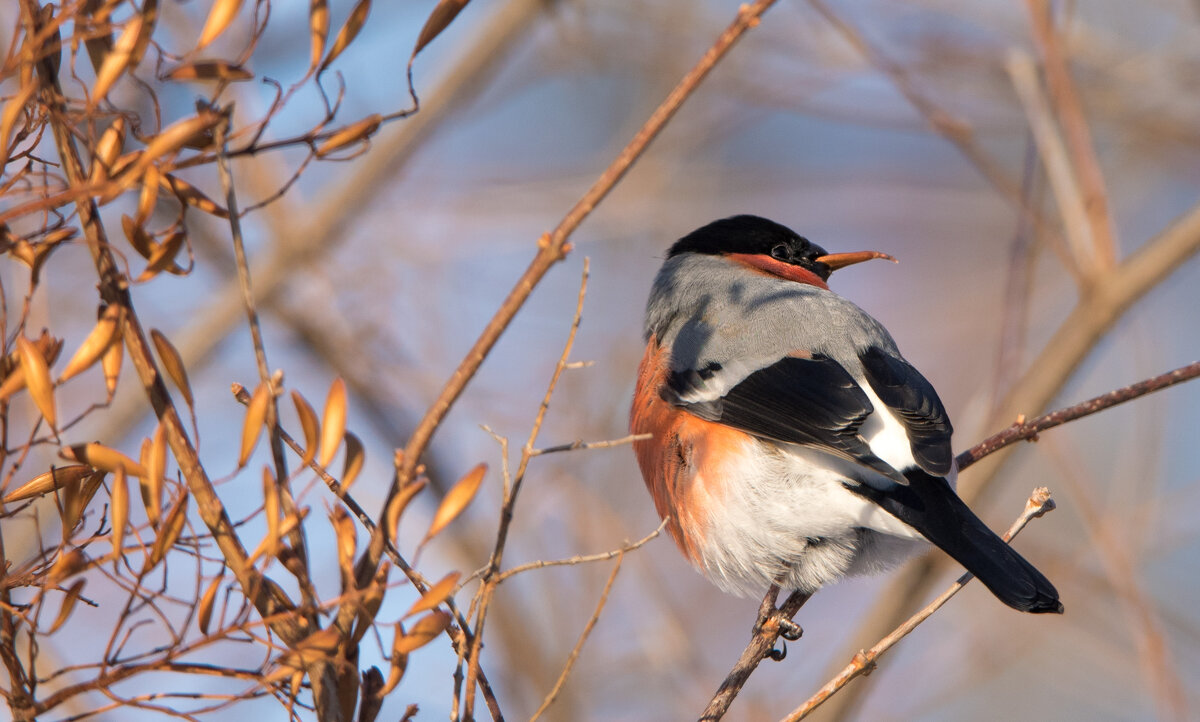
x,y
784,437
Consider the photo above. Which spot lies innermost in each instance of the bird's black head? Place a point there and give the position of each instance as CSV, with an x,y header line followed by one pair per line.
x,y
756,236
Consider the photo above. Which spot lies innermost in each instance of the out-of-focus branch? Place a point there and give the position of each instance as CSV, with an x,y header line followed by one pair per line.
x,y
1071,117
954,130
1116,556
1039,503
1054,157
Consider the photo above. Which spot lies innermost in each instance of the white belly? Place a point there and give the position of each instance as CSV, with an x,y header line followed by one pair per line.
x,y
785,514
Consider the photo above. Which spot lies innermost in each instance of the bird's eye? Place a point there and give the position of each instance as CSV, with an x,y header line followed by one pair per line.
x,y
781,252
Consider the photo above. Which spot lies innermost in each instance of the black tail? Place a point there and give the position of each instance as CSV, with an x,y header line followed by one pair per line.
x,y
930,506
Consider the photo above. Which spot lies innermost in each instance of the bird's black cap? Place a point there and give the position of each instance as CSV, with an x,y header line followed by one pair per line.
x,y
754,235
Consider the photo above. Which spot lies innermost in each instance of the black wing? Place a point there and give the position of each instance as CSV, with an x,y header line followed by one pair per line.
x,y
904,390
808,401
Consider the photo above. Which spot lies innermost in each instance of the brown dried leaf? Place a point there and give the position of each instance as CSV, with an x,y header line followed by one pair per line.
x,y
93,15
37,378
345,36
168,533
68,605
423,632
271,511
222,14
154,457
138,236
96,343
439,20
103,458
148,198
256,417
46,344
457,499
170,140
350,134
119,498
310,425
355,457
347,543
333,422
149,17
318,26
399,503
75,500
372,601
173,364
207,602
191,195
118,59
111,364
107,149
435,595
68,564
399,664
162,258
49,481
208,70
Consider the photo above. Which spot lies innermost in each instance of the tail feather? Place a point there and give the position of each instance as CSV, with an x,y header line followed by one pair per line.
x,y
930,506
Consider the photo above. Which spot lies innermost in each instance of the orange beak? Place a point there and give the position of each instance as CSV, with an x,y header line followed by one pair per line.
x,y
841,260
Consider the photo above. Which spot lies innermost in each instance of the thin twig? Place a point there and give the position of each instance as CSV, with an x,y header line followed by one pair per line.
x,y
490,577
582,558
583,636
1039,503
580,444
298,561
1028,430
766,632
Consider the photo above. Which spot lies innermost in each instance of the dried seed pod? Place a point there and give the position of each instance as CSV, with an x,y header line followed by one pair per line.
x,y
355,458
423,632
118,60
219,17
103,458
119,511
173,364
49,481
68,605
37,378
435,595
207,602
345,36
252,426
208,70
97,342
310,425
456,500
168,533
333,423
350,134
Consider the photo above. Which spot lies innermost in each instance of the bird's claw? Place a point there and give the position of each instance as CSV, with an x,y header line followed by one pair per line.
x,y
789,630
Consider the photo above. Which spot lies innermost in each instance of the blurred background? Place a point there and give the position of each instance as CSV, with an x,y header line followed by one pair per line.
x,y
892,126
